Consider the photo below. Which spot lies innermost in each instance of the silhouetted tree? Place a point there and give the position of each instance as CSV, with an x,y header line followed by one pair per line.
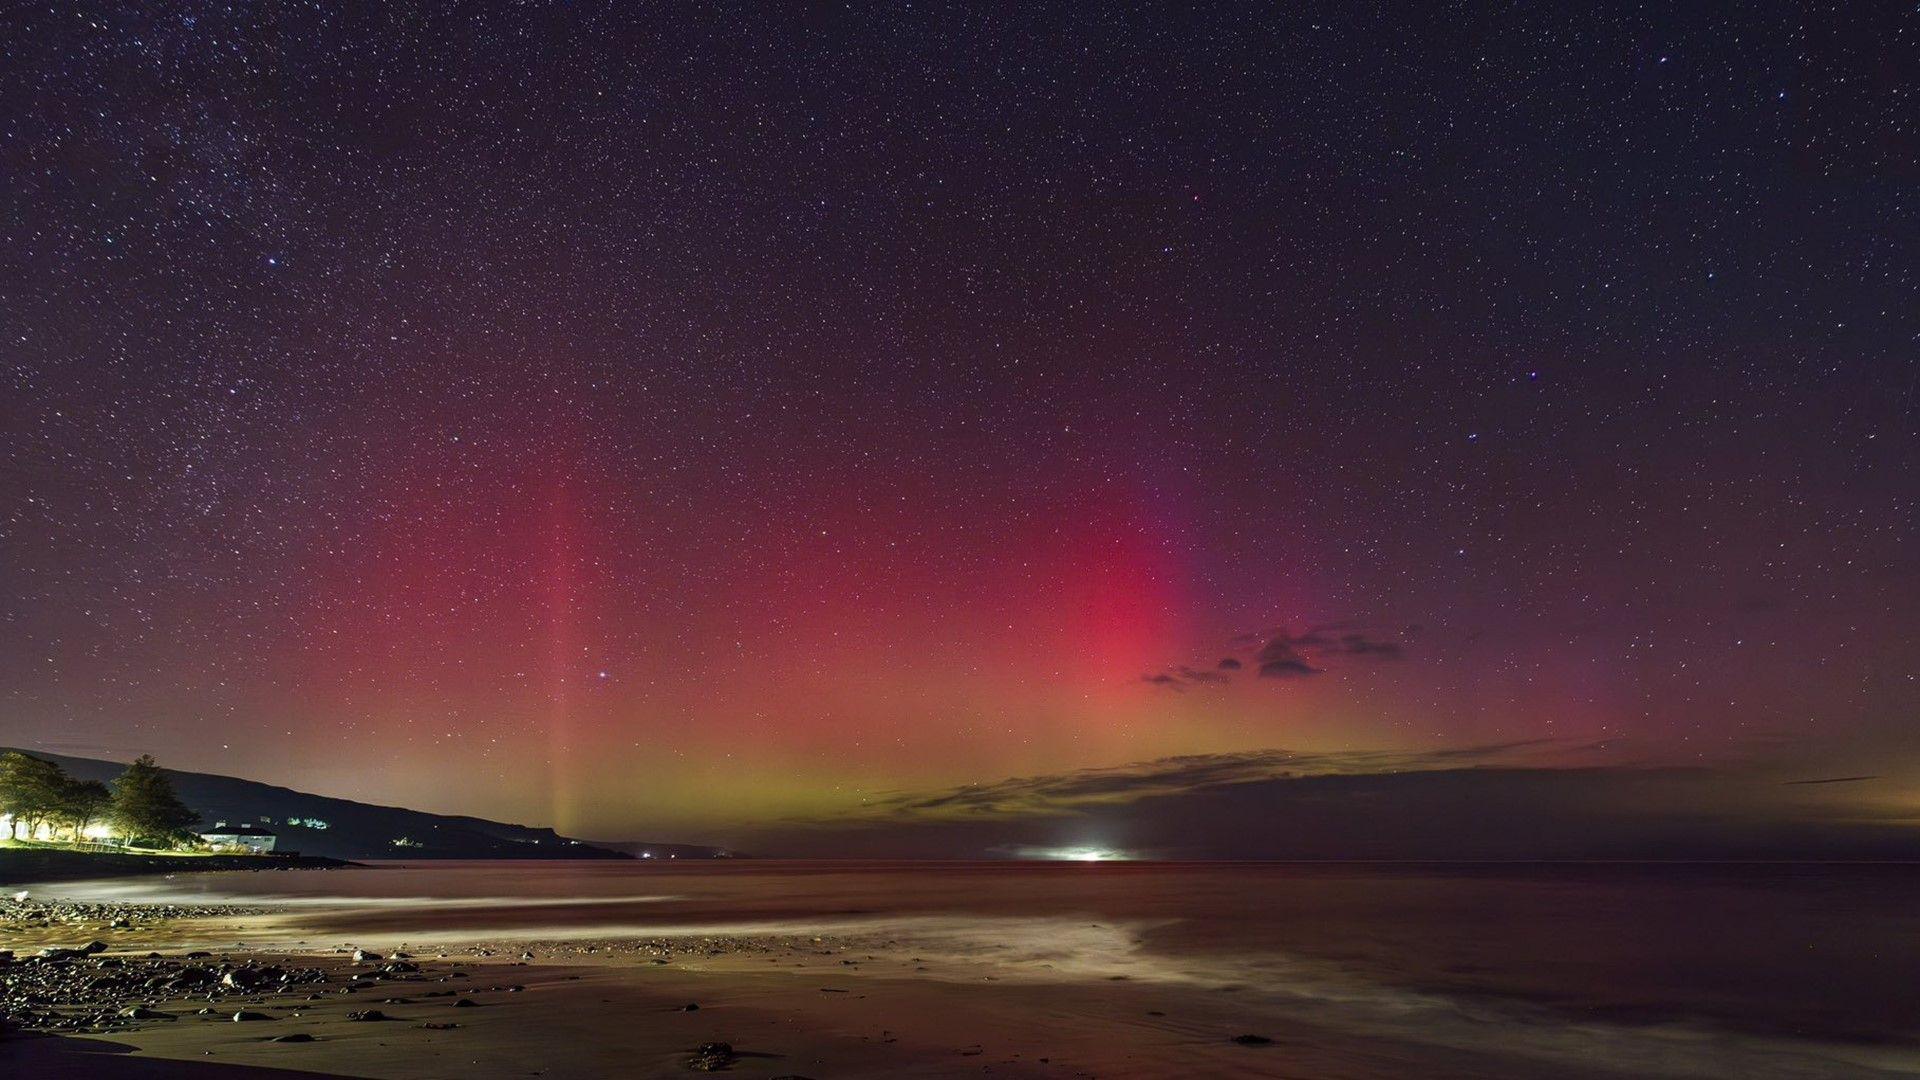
x,y
30,790
144,804
82,802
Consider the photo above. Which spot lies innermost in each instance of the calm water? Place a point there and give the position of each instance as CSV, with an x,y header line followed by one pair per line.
x,y
1753,970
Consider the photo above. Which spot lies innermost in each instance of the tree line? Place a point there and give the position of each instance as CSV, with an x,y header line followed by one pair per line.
x,y
140,804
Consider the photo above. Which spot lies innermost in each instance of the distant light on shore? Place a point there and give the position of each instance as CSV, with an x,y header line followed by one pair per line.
x,y
1078,854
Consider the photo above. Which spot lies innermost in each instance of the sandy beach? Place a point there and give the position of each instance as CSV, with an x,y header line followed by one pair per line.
x,y
771,1007
517,972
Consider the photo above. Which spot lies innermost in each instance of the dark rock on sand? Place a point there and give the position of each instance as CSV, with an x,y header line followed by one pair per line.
x,y
367,1015
1252,1040
712,1057
292,1036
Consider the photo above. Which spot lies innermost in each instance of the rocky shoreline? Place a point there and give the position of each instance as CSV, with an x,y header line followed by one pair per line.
x,y
102,989
89,988
86,989
27,866
21,915
76,991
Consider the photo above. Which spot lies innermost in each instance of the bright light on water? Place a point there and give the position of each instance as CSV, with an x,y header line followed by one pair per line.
x,y
1086,854
1078,853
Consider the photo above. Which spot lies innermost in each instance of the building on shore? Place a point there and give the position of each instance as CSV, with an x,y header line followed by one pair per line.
x,y
240,838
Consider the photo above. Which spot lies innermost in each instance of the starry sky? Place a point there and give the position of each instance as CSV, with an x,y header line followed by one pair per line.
x,y
645,420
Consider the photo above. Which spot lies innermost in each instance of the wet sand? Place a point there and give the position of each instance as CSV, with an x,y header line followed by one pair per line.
x,y
785,1007
612,1021
863,971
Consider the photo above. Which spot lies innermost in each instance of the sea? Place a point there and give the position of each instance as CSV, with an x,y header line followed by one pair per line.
x,y
1750,970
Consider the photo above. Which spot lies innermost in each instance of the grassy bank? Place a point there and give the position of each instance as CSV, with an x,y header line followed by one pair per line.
x,y
20,865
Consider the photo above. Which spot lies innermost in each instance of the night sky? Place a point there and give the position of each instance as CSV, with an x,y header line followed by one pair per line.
x,y
639,419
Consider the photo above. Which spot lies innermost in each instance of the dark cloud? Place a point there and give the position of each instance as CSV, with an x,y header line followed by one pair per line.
x,y
1287,669
1182,677
1064,791
1278,649
1284,654
1512,801
1280,653
1362,645
1280,658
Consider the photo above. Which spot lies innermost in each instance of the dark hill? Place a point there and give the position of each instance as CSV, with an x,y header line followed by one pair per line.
x,y
353,830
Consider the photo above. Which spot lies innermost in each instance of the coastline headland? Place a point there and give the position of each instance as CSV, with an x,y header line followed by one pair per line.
x,y
26,866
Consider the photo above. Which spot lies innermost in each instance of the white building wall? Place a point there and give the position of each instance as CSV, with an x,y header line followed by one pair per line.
x,y
257,844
